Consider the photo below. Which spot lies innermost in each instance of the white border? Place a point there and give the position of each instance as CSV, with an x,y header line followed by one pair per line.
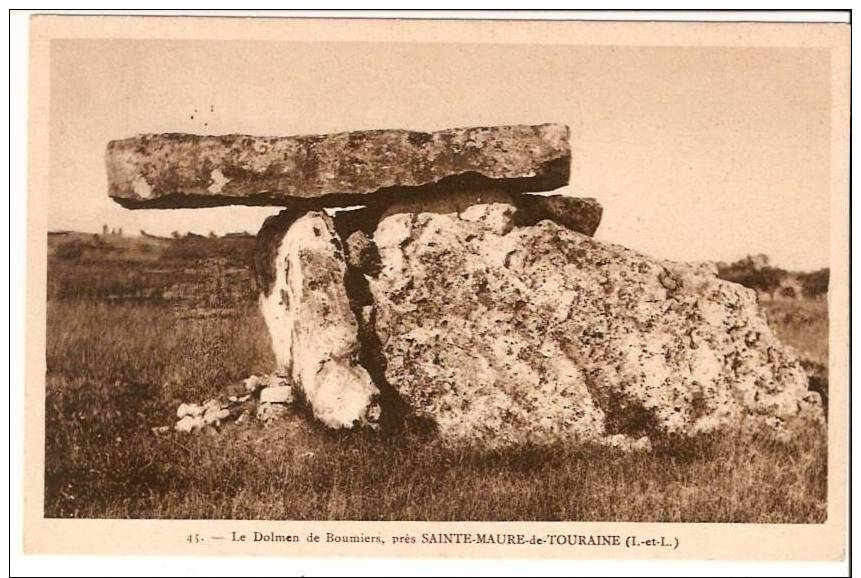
x,y
500,12
133,566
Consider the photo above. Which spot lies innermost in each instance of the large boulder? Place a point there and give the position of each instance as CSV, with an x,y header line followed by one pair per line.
x,y
313,329
343,169
501,334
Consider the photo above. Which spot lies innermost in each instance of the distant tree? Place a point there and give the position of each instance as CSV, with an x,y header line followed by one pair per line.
x,y
758,261
766,279
753,272
175,235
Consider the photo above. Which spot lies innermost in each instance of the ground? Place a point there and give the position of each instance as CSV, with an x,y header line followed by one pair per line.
x,y
137,326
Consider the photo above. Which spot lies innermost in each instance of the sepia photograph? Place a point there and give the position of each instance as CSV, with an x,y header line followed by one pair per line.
x,y
442,272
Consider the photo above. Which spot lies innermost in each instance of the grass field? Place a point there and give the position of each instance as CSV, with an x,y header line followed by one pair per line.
x,y
133,332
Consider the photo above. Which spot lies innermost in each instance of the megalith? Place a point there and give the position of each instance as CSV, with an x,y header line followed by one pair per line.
x,y
504,334
462,295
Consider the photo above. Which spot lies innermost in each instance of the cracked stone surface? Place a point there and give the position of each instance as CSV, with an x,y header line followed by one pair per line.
x,y
350,168
502,334
313,330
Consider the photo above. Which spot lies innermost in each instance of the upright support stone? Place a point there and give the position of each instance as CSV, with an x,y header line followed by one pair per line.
x,y
314,332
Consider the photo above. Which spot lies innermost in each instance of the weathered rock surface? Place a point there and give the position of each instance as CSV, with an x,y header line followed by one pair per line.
x,y
503,334
255,384
313,330
184,170
576,213
278,394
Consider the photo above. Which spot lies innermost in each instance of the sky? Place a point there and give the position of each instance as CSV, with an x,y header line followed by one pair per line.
x,y
695,153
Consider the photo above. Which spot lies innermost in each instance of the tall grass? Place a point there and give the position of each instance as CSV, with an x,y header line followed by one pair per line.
x,y
151,344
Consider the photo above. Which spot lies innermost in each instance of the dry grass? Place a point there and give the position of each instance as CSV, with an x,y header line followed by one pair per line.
x,y
116,368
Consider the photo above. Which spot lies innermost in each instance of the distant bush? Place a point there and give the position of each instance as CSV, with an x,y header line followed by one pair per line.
x,y
756,273
815,284
765,279
817,380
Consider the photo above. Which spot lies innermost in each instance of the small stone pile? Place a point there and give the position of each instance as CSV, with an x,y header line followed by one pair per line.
x,y
194,417
273,393
267,397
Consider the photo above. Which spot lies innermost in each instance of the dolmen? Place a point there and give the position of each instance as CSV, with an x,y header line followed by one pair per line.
x,y
418,276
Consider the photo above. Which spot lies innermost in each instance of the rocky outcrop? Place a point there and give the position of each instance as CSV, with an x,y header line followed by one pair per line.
x,y
313,329
502,334
351,168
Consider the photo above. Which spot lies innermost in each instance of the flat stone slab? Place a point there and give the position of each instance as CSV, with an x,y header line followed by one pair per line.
x,y
278,394
350,168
